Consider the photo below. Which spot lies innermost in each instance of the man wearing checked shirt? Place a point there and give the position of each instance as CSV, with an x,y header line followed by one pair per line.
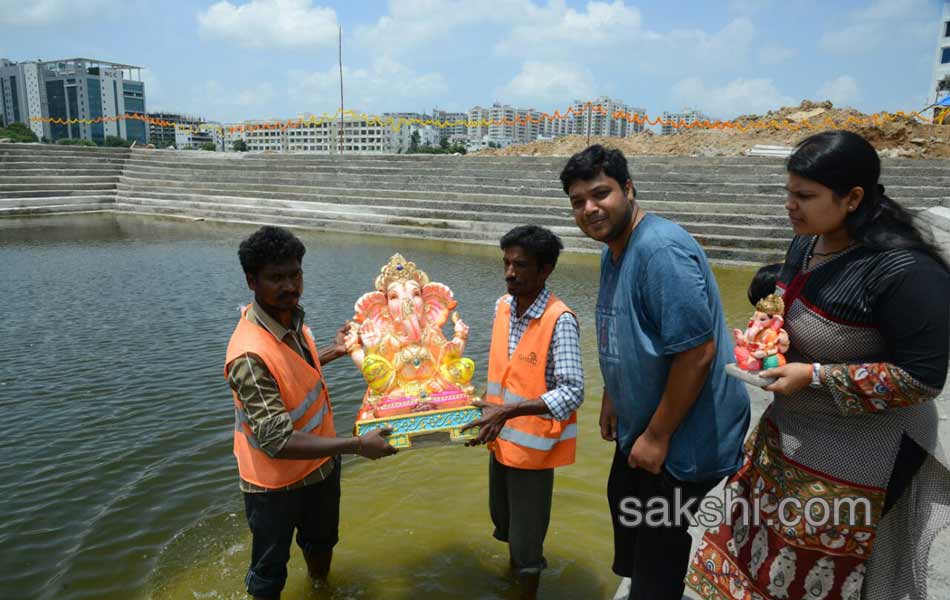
x,y
286,446
535,385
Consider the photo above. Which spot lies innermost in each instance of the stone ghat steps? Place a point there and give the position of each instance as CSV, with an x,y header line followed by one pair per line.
x,y
548,181
732,205
528,207
739,249
25,207
498,218
912,196
31,193
17,152
748,203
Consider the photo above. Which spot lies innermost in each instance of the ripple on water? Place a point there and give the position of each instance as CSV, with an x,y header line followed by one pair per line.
x,y
118,477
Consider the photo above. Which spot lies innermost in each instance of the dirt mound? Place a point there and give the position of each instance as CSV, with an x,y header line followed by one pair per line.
x,y
894,137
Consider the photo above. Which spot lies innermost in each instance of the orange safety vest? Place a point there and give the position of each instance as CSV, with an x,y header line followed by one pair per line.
x,y
304,395
535,441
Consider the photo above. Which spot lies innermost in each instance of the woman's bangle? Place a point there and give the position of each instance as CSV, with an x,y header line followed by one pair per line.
x,y
359,445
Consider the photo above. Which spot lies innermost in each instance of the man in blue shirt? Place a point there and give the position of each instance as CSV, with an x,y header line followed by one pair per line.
x,y
678,421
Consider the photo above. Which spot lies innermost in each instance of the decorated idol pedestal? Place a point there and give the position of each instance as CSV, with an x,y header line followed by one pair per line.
x,y
418,382
762,345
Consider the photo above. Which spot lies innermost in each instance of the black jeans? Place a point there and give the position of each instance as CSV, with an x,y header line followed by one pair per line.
x,y
655,558
313,510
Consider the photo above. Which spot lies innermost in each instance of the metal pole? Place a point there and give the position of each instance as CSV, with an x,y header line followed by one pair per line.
x,y
588,122
340,57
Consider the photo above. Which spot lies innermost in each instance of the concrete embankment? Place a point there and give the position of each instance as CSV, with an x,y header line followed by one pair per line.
x,y
732,205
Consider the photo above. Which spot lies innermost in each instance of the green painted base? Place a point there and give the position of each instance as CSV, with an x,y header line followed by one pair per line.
x,y
406,427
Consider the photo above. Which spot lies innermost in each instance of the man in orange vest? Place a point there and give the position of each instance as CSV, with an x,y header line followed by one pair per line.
x,y
535,385
284,440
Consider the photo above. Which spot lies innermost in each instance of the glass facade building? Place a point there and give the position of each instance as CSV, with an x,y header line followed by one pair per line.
x,y
74,88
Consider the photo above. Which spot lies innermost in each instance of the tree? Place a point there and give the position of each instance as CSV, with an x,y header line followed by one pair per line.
x,y
18,132
444,142
239,146
414,140
208,146
114,141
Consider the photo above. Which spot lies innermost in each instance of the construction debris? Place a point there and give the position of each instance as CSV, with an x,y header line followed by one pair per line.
x,y
901,137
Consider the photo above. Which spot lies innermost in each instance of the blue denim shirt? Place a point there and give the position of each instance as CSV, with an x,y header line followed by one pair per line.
x,y
659,299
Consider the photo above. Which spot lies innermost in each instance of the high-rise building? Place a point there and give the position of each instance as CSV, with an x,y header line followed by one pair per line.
x,y
453,125
604,117
478,118
163,126
686,117
74,88
940,82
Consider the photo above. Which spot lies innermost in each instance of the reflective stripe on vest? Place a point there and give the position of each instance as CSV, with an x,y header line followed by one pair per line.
x,y
240,418
536,442
303,393
531,441
508,397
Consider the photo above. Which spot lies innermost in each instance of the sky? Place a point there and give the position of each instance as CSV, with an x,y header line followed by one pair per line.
x,y
232,60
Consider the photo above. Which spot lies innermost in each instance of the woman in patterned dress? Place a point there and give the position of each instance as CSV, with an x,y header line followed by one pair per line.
x,y
853,422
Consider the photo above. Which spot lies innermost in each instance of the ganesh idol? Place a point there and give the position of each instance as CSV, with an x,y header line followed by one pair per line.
x,y
396,341
764,342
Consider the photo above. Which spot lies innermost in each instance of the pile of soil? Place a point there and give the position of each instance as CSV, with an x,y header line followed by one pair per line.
x,y
897,137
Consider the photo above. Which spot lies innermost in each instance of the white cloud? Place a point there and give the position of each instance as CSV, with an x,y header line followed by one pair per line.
x,y
842,91
544,84
386,85
614,33
413,23
270,23
737,97
880,23
561,29
773,55
39,13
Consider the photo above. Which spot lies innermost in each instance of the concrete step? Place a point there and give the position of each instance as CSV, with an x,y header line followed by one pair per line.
x,y
499,223
483,215
905,176
7,163
746,254
552,163
15,187
46,209
98,201
53,149
55,193
61,172
735,193
40,180
471,202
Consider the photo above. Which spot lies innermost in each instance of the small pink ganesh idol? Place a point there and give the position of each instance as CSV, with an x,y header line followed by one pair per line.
x,y
764,343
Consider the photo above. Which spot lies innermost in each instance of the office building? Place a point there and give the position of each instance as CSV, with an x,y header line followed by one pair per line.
x,y
74,88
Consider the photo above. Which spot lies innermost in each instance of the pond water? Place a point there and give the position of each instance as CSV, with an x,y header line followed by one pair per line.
x,y
118,481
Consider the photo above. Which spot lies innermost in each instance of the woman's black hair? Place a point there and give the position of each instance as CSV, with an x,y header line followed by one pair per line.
x,y
763,283
842,160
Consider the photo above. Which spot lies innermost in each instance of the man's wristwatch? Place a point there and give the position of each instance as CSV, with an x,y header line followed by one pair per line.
x,y
815,375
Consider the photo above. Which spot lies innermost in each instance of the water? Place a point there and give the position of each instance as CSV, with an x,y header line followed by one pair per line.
x,y
117,477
